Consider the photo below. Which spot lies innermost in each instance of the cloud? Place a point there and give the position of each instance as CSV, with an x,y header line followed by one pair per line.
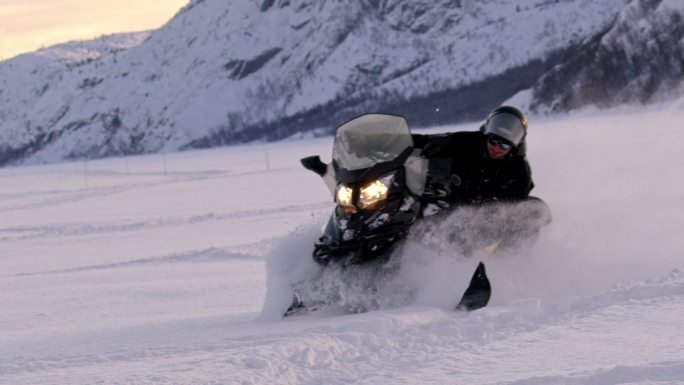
x,y
31,24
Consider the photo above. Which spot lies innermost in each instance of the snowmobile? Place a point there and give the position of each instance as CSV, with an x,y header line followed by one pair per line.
x,y
377,178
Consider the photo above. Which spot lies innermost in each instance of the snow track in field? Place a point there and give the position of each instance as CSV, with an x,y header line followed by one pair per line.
x,y
71,229
203,256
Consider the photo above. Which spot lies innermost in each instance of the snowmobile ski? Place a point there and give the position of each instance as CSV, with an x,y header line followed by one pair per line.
x,y
478,292
297,307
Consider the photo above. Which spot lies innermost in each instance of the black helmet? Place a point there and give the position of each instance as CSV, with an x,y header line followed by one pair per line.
x,y
508,123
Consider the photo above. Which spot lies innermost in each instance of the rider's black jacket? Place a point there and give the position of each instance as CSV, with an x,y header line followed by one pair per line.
x,y
482,178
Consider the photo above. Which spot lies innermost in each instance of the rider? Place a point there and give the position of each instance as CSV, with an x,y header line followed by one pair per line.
x,y
481,166
477,168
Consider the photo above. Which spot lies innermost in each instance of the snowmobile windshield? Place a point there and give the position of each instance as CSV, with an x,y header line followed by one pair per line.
x,y
371,139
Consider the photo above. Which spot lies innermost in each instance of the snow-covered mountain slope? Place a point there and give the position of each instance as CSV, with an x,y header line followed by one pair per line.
x,y
639,60
225,72
37,91
167,270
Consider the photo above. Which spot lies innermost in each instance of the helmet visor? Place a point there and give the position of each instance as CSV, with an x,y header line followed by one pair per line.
x,y
506,126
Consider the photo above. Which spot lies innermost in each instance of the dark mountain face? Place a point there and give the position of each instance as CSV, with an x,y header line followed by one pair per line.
x,y
638,60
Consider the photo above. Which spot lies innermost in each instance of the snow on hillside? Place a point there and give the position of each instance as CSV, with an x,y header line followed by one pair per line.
x,y
219,73
163,269
638,60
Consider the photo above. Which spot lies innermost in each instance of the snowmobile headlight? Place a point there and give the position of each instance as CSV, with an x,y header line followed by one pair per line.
x,y
375,191
344,196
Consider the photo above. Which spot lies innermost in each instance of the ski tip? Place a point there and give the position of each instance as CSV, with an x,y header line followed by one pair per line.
x,y
297,306
478,293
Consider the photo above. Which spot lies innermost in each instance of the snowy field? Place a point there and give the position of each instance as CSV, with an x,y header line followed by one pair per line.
x,y
169,270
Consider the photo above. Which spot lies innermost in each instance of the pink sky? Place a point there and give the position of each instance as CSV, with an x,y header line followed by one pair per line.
x,y
27,25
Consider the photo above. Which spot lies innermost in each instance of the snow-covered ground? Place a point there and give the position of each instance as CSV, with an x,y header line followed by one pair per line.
x,y
166,269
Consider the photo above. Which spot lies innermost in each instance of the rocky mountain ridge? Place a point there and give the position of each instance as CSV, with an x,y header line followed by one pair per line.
x,y
225,73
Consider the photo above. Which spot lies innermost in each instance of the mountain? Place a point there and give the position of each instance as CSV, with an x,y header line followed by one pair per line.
x,y
221,73
639,59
